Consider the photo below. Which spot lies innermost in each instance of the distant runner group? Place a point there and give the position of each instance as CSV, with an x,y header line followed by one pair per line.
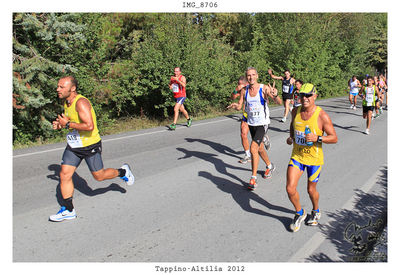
x,y
310,127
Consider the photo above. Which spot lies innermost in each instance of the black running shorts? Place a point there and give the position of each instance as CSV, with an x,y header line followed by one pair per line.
x,y
91,154
368,108
287,96
257,133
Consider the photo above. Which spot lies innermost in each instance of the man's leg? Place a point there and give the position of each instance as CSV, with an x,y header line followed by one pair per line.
x,y
183,111
66,184
254,147
263,154
96,167
292,178
176,112
244,131
313,194
287,107
67,211
105,174
369,118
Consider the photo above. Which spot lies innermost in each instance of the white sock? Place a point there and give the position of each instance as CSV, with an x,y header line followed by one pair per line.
x,y
247,152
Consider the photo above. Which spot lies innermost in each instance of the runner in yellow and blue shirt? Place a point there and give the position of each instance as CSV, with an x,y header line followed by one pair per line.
x,y
309,123
83,142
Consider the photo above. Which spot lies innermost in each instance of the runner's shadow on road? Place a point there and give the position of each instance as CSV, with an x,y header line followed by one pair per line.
x,y
223,149
80,184
242,196
220,166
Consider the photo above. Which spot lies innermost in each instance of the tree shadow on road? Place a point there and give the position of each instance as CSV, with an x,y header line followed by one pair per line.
x,y
242,196
80,184
358,233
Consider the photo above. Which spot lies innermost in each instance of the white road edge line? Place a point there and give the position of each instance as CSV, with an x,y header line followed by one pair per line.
x,y
309,247
124,137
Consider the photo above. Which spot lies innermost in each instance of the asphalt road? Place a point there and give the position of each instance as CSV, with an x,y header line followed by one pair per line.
x,y
189,203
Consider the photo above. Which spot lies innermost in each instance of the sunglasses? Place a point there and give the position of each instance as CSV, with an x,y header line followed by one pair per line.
x,y
305,95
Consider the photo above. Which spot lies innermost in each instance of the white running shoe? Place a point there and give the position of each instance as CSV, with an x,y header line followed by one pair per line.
x,y
315,216
245,159
283,119
366,131
354,108
63,214
297,220
128,178
351,106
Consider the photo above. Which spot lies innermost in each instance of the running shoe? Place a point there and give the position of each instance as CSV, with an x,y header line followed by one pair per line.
x,y
245,159
172,126
351,106
268,172
315,216
252,184
366,131
189,122
354,107
283,119
380,110
128,178
63,214
297,220
267,142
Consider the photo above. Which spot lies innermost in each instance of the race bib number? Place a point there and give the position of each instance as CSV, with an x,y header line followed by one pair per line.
x,y
300,138
74,139
369,98
175,88
254,112
285,89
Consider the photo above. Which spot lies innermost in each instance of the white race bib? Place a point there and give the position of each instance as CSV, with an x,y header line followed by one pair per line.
x,y
369,96
175,88
300,138
285,89
74,139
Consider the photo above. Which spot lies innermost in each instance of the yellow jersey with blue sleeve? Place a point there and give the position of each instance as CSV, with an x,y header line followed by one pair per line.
x,y
79,139
307,155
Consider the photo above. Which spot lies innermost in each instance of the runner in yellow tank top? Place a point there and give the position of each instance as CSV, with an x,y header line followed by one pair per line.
x,y
83,142
80,138
307,157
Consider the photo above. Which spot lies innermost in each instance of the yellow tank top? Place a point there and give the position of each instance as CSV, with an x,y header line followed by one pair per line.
x,y
307,155
78,139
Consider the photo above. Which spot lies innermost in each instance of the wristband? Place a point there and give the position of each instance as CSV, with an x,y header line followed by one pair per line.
x,y
319,139
234,92
67,125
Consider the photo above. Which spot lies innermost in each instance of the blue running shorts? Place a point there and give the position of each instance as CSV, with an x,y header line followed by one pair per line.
x,y
313,171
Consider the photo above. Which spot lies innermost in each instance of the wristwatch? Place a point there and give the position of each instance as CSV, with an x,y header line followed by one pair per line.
x,y
319,139
67,125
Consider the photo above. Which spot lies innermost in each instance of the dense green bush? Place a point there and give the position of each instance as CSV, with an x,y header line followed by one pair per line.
x,y
123,61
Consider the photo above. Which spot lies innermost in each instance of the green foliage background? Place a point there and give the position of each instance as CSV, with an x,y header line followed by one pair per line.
x,y
123,61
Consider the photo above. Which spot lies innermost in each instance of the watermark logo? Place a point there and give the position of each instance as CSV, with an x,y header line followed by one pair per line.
x,y
366,240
